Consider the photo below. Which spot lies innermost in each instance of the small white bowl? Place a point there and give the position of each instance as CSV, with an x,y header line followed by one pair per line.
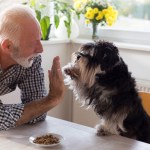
x,y
33,137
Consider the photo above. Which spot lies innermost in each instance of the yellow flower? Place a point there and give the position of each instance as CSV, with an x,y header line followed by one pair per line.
x,y
95,10
110,8
114,16
98,18
89,10
110,21
115,12
87,21
100,14
104,11
89,15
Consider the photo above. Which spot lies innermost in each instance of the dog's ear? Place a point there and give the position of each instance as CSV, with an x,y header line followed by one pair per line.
x,y
110,58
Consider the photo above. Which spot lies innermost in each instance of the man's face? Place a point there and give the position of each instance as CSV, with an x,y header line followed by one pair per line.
x,y
23,61
29,45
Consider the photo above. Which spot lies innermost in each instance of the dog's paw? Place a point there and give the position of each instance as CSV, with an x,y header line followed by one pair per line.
x,y
102,132
73,73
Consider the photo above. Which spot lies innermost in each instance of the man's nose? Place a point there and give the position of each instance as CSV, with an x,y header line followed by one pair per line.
x,y
39,47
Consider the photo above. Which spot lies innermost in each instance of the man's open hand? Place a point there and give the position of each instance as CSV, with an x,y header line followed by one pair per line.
x,y
56,86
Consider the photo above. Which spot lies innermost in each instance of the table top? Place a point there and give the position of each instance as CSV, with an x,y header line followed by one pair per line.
x,y
76,137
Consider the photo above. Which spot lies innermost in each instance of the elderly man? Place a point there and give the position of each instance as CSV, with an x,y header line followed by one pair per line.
x,y
20,65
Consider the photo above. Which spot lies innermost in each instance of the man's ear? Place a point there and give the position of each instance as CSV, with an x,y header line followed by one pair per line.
x,y
7,46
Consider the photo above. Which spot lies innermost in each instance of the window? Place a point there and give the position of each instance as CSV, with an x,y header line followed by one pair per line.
x,y
133,24
6,3
133,14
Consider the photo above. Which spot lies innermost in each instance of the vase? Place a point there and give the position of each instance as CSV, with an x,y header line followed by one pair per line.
x,y
95,30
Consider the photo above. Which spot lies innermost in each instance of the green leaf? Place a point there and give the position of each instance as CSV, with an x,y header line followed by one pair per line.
x,y
68,26
47,18
42,6
56,8
78,15
56,21
45,27
38,15
48,32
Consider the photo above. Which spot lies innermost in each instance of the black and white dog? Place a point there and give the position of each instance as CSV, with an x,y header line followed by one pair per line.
x,y
100,78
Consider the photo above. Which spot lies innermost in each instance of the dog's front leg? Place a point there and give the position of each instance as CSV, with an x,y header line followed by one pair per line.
x,y
106,128
102,129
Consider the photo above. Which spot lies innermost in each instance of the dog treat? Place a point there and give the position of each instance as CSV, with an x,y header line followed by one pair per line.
x,y
46,139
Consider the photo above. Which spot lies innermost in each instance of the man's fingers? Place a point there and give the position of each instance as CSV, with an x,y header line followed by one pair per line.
x,y
49,74
56,62
55,71
60,74
55,66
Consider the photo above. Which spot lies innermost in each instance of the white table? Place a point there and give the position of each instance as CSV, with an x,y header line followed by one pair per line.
x,y
77,137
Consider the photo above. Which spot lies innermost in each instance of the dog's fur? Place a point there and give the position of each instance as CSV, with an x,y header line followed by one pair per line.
x,y
100,78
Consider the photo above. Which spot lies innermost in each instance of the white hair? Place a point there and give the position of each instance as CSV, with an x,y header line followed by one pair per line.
x,y
10,24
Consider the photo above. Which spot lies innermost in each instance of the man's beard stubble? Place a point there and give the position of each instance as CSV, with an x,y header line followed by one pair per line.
x,y
25,62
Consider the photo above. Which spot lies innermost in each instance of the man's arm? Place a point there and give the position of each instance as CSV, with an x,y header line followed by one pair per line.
x,y
54,97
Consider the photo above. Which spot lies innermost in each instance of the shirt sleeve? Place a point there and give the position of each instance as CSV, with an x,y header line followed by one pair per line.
x,y
32,86
9,114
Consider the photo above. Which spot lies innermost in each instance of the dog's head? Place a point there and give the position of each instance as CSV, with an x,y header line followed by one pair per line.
x,y
92,59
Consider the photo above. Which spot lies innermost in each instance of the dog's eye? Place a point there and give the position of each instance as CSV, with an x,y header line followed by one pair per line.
x,y
78,57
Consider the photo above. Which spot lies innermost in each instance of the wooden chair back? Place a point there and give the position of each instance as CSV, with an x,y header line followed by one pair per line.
x,y
145,101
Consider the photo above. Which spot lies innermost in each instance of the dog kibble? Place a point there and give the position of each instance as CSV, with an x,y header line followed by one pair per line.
x,y
46,139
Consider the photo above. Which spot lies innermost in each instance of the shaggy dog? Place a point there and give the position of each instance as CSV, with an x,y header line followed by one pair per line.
x,y
100,78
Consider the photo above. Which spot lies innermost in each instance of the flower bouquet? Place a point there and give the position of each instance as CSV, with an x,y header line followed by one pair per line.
x,y
96,12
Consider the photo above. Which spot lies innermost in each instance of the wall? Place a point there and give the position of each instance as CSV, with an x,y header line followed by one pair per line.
x,y
63,110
